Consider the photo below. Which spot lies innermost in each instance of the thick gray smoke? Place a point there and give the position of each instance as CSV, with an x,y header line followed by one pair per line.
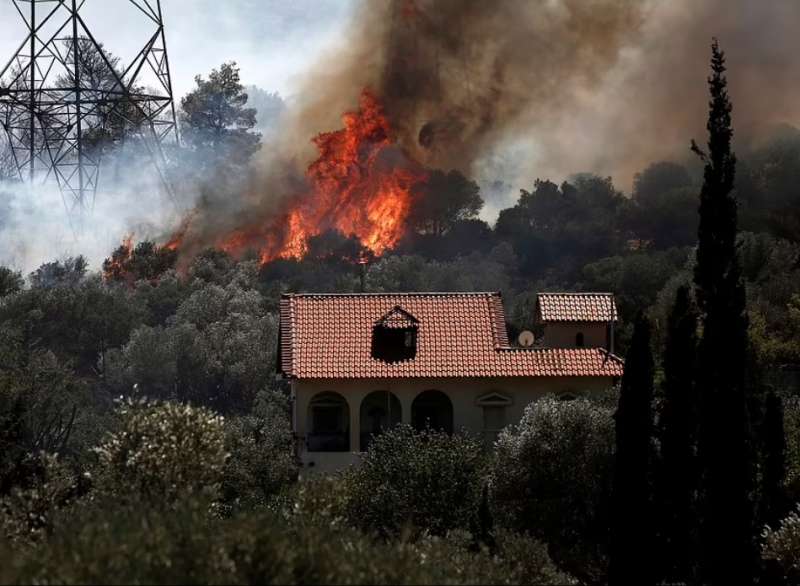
x,y
456,76
515,90
36,228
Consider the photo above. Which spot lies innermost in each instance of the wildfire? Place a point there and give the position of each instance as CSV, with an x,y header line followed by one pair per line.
x,y
114,266
360,185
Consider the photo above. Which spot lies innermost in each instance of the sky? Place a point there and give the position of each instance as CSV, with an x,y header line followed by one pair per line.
x,y
273,41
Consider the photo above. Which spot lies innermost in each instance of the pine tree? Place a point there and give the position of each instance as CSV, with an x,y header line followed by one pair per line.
x,y
677,470
631,522
729,553
774,502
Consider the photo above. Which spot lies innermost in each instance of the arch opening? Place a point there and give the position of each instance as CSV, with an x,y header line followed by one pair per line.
x,y
328,423
432,409
380,411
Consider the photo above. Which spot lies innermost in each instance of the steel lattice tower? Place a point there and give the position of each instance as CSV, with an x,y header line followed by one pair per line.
x,y
64,100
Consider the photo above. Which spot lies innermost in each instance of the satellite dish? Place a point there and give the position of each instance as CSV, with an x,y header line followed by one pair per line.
x,y
526,339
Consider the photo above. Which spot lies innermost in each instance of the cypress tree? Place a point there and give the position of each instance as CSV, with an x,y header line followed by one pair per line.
x,y
631,522
729,554
774,502
676,486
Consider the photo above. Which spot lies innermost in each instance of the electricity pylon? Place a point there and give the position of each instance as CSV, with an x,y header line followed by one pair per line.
x,y
65,100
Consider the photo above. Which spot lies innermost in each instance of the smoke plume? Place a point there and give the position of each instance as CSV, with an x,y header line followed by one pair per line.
x,y
509,91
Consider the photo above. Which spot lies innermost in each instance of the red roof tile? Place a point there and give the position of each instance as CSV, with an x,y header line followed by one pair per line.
x,y
459,335
576,307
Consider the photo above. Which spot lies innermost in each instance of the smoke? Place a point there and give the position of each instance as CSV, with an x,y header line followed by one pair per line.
x,y
455,76
654,99
511,91
38,225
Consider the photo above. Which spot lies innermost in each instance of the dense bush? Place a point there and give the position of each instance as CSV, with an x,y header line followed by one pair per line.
x,y
425,479
791,425
551,477
28,512
262,462
782,545
116,544
163,451
219,351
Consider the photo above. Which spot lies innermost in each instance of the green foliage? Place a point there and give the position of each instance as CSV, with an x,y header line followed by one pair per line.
x,y
10,281
218,351
163,451
43,408
117,544
215,123
551,477
425,479
146,261
664,210
632,523
774,504
444,199
636,278
564,227
791,424
261,447
474,272
28,512
725,444
69,272
677,475
782,545
79,319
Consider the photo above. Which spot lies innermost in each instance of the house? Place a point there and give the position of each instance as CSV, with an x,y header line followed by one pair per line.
x,y
359,363
576,320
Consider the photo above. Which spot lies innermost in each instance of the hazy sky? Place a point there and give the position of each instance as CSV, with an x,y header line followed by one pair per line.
x,y
272,40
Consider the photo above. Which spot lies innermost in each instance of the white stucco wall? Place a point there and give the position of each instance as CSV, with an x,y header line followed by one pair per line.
x,y
463,394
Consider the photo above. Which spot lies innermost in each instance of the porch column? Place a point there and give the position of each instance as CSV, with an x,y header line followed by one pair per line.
x,y
355,421
406,398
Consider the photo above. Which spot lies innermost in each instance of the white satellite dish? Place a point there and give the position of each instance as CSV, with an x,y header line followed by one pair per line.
x,y
526,339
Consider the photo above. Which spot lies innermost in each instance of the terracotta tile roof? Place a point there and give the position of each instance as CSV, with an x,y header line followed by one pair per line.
x,y
459,335
576,307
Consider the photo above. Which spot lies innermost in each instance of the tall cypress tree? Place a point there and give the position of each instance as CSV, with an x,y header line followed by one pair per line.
x,y
774,501
632,528
677,475
729,553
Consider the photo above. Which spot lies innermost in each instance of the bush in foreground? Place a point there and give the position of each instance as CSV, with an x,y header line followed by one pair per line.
x,y
162,451
107,543
426,479
551,477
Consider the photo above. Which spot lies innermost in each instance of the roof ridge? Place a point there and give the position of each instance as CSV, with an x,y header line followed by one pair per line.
x,y
576,293
398,294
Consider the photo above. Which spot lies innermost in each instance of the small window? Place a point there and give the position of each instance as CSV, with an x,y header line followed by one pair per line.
x,y
394,344
579,342
394,336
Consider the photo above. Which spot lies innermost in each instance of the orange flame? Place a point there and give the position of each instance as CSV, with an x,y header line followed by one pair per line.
x,y
114,266
360,185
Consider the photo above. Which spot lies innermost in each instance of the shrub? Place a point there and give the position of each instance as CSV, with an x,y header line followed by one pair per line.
x,y
427,479
551,477
791,424
27,512
108,543
782,545
262,460
163,451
